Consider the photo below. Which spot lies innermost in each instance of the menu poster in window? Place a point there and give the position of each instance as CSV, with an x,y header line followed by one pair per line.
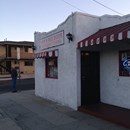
x,y
51,68
125,63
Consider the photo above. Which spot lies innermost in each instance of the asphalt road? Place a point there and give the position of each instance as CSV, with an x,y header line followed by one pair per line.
x,y
22,84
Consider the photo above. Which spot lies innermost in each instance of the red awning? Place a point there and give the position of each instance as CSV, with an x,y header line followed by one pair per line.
x,y
53,53
111,34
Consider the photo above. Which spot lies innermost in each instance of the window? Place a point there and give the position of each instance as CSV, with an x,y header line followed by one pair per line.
x,y
51,68
16,62
28,63
26,49
124,63
30,50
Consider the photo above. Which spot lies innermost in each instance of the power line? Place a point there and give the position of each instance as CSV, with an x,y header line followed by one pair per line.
x,y
108,7
94,1
72,6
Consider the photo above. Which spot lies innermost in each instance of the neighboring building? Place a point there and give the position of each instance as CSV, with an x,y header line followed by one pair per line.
x,y
16,54
92,66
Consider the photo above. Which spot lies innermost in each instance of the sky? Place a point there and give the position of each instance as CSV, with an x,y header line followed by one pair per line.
x,y
19,19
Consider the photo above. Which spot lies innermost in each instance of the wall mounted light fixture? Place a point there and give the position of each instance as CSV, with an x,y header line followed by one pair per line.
x,y
69,37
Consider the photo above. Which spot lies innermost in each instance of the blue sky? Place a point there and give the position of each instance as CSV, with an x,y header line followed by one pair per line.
x,y
19,19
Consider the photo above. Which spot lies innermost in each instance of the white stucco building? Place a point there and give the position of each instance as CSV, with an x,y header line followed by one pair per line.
x,y
92,67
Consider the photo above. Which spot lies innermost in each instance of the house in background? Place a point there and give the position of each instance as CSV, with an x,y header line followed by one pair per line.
x,y
16,54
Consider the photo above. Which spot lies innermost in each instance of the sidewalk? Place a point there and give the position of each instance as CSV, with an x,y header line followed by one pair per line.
x,y
22,76
25,111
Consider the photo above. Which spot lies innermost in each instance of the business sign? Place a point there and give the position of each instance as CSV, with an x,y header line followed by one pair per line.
x,y
51,41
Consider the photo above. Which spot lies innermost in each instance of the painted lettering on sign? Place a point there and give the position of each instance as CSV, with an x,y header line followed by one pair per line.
x,y
53,40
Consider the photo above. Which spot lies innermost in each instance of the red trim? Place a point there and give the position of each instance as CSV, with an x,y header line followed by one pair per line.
x,y
78,46
53,53
108,32
124,35
116,36
108,38
47,54
46,69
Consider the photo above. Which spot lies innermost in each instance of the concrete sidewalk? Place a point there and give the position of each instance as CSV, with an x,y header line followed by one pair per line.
x,y
25,111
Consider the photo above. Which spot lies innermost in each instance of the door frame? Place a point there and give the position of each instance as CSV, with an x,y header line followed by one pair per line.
x,y
97,55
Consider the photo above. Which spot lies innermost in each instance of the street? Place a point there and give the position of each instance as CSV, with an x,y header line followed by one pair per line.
x,y
22,84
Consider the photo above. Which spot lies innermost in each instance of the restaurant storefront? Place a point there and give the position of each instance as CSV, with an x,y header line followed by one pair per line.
x,y
85,60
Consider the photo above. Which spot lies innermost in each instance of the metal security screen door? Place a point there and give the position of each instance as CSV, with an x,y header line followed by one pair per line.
x,y
90,78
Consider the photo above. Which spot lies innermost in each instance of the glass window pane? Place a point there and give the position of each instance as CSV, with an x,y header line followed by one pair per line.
x,y
124,63
51,68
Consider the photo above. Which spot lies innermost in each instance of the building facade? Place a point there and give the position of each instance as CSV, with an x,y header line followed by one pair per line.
x,y
16,54
85,60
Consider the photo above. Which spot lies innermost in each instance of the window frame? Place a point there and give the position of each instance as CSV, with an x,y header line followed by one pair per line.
x,y
121,61
28,61
16,62
47,60
25,49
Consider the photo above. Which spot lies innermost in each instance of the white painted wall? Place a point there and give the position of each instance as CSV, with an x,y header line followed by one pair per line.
x,y
115,89
109,20
64,89
61,90
85,26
